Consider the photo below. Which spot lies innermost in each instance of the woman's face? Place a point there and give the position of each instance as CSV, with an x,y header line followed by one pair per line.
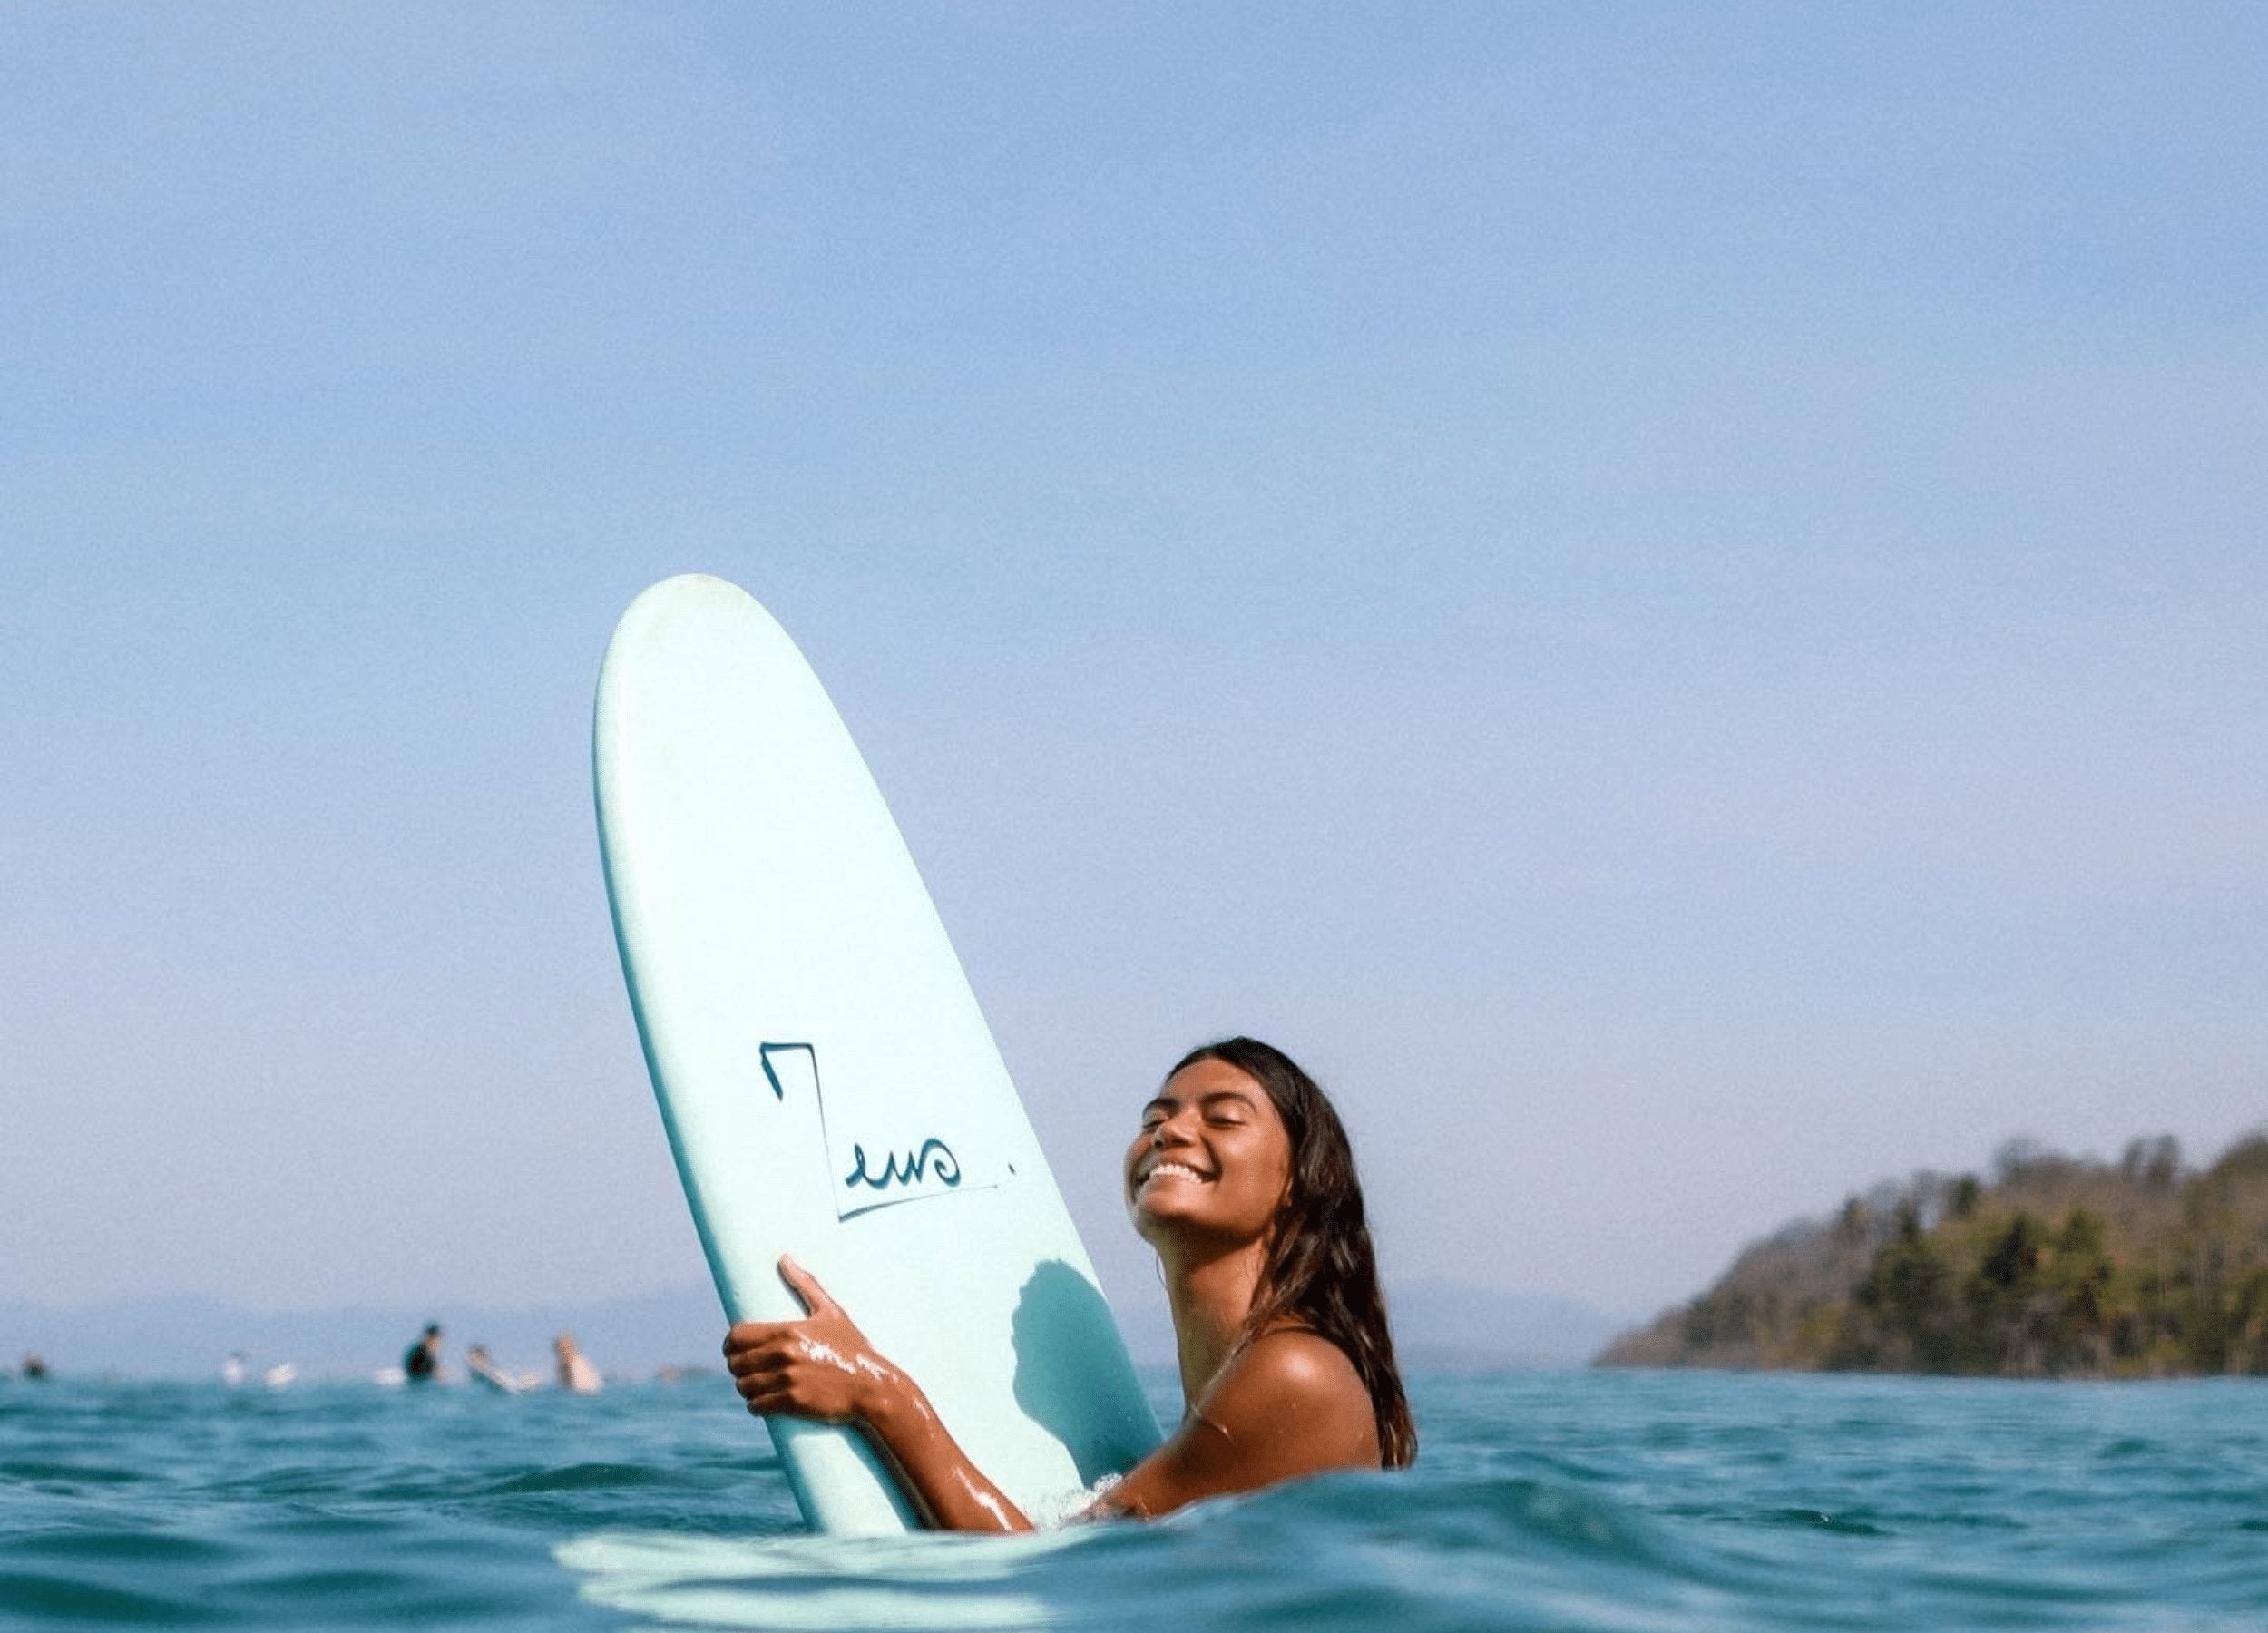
x,y
1212,1158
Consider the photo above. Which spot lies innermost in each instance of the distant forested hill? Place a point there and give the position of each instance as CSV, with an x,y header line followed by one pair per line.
x,y
2059,1268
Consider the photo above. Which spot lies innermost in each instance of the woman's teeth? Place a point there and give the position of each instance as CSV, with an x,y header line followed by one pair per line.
x,y
1171,1171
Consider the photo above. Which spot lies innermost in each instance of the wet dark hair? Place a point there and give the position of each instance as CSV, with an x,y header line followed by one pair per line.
x,y
1322,1273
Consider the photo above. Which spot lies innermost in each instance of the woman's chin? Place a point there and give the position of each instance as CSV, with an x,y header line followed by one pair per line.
x,y
1171,1211
1155,1216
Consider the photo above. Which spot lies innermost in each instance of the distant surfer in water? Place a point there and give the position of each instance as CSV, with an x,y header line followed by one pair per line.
x,y
1243,1181
572,1368
421,1362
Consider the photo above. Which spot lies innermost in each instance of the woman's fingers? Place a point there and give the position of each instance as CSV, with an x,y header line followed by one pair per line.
x,y
769,1381
748,1357
785,1399
749,1335
807,1285
756,1334
772,1392
747,1338
767,1406
817,1367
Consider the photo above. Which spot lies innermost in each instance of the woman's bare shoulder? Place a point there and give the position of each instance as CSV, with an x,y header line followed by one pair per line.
x,y
1296,1380
1299,1359
1289,1403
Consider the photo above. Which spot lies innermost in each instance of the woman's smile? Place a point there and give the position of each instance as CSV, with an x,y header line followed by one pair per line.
x,y
1166,1168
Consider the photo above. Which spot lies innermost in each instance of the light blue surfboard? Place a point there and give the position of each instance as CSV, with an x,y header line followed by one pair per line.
x,y
828,1085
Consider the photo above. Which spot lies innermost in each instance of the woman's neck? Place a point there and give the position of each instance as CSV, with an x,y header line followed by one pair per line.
x,y
1210,1294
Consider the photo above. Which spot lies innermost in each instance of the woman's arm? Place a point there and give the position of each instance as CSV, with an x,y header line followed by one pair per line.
x,y
823,1368
1291,1403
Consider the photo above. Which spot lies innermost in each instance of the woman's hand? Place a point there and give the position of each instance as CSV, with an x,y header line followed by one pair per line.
x,y
819,1367
823,1368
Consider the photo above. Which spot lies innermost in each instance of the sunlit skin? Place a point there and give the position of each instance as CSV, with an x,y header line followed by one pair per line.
x,y
1206,1181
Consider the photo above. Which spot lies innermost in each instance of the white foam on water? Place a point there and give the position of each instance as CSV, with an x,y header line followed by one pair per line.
x,y
816,1583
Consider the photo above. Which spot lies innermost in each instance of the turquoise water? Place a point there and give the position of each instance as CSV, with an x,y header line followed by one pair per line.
x,y
1542,1500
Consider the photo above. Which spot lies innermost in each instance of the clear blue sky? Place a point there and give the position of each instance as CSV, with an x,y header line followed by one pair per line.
x,y
1674,598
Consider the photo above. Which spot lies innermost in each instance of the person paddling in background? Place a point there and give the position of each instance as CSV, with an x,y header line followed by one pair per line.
x,y
572,1368
1243,1181
421,1363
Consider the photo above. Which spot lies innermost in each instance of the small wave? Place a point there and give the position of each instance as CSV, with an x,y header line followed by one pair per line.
x,y
71,1598
585,1477
129,1546
1813,1520
68,1474
2128,1446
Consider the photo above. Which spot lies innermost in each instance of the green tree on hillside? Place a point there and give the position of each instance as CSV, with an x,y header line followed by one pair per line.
x,y
2059,1268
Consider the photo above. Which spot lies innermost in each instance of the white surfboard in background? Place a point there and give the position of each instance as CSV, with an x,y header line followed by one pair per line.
x,y
829,1087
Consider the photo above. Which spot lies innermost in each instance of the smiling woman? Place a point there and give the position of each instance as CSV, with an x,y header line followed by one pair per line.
x,y
1242,1178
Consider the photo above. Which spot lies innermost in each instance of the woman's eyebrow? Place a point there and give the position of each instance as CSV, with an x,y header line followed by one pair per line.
x,y
1164,1102
1236,1095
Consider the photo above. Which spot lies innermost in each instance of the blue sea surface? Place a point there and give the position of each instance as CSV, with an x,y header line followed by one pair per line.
x,y
1643,1500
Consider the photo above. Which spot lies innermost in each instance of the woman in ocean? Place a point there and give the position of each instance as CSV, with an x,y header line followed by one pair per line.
x,y
1243,1181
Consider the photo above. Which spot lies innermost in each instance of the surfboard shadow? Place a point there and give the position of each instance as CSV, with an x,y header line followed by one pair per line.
x,y
1066,1349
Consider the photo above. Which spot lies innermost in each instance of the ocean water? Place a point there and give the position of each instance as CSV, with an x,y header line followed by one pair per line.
x,y
1642,1500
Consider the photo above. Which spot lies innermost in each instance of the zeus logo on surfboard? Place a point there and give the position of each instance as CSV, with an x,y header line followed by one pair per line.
x,y
870,1167
933,1150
